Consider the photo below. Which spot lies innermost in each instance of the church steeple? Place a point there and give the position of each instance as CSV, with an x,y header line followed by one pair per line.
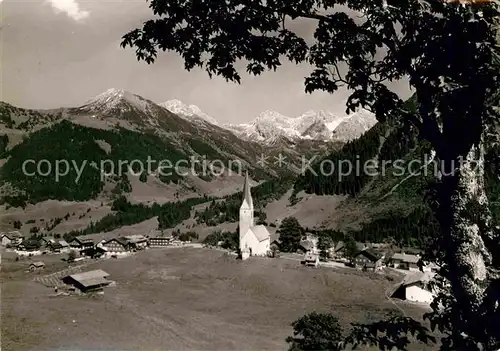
x,y
246,211
247,195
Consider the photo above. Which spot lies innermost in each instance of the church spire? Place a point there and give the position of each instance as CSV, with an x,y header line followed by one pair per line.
x,y
247,195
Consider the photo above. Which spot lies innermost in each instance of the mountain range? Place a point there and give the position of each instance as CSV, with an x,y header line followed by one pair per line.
x,y
268,128
271,127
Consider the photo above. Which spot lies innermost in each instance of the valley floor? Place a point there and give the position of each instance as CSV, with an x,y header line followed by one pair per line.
x,y
185,299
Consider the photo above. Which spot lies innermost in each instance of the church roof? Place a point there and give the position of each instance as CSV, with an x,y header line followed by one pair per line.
x,y
260,232
247,195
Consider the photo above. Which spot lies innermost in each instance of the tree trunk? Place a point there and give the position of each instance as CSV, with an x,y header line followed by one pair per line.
x,y
470,244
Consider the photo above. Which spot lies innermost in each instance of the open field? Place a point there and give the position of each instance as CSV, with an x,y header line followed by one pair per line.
x,y
185,299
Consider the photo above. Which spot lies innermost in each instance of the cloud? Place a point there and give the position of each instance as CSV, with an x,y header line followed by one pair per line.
x,y
70,7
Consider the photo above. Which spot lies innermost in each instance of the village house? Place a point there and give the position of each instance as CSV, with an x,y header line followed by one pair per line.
x,y
80,243
311,259
93,252
54,247
338,251
137,241
275,245
404,261
11,238
116,246
47,241
160,241
368,259
65,247
415,288
30,245
88,281
306,246
35,266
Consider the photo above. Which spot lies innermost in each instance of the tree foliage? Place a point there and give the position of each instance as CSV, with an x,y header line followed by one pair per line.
x,y
291,233
228,240
316,332
350,247
124,213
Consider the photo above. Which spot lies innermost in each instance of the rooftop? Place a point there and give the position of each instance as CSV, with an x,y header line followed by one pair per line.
x,y
370,254
406,257
136,238
37,264
417,277
260,232
95,274
94,282
63,243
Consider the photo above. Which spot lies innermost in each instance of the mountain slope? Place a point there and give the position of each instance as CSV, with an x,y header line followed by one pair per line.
x,y
354,126
190,112
116,105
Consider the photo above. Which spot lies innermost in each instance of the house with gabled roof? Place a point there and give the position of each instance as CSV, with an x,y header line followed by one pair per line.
x,y
54,246
368,259
405,261
13,238
81,243
415,287
137,241
116,246
34,266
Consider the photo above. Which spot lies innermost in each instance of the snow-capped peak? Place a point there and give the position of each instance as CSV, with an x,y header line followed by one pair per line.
x,y
113,98
187,111
355,125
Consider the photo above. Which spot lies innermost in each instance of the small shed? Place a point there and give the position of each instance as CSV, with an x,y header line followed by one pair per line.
x,y
34,266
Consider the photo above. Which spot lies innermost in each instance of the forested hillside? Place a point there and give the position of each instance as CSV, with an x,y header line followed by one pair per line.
x,y
324,180
86,150
169,215
78,145
403,216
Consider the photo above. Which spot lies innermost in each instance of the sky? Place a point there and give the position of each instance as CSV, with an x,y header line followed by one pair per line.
x,y
60,53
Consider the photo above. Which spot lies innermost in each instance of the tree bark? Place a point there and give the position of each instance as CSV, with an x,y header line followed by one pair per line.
x,y
470,244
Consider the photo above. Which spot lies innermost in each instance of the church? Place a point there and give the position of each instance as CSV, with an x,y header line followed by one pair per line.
x,y
254,239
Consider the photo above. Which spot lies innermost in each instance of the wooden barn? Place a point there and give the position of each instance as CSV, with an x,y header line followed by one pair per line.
x,y
88,281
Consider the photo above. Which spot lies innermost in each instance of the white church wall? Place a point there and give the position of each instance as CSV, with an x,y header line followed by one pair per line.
x,y
263,247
